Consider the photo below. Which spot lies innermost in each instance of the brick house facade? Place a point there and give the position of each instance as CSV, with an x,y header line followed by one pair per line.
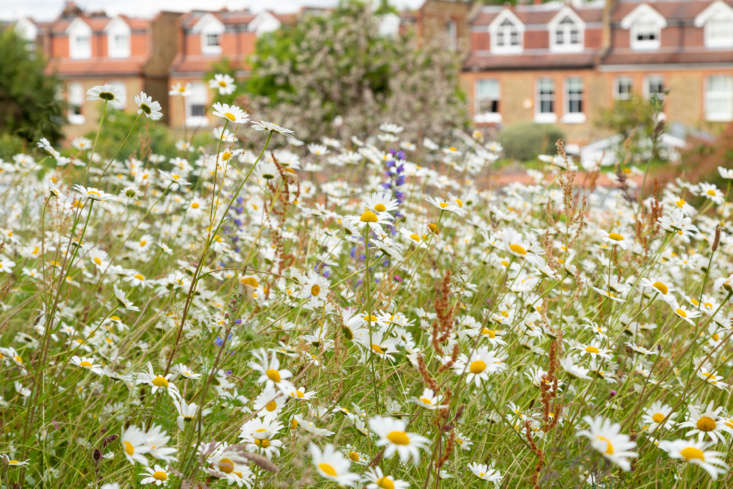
x,y
85,49
206,37
562,62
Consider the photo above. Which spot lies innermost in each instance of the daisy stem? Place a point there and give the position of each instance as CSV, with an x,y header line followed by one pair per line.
x,y
705,279
216,174
51,313
122,145
96,138
369,314
199,266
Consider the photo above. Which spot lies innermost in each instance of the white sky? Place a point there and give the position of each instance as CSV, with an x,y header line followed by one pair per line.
x,y
49,9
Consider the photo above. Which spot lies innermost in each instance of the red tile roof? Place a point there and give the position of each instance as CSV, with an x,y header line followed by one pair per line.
x,y
96,66
670,10
535,14
479,60
202,63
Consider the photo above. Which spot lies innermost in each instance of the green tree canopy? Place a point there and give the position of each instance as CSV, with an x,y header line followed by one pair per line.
x,y
29,106
337,75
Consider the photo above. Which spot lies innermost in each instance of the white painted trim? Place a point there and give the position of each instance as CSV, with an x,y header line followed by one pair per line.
x,y
545,118
555,22
506,14
117,26
79,28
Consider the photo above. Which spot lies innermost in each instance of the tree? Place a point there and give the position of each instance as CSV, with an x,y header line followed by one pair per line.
x,y
29,106
637,121
335,75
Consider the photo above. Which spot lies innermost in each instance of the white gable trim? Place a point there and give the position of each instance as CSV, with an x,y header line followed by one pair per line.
x,y
26,29
78,26
117,27
494,27
79,29
264,22
553,25
643,11
715,9
208,24
506,14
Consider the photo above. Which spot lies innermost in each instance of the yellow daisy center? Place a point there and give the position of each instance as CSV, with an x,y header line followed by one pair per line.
x,y
160,475
273,375
477,366
354,456
85,363
385,483
692,453
230,116
377,349
140,277
592,349
328,469
661,287
616,236
97,260
427,401
706,423
271,406
129,448
368,216
380,207
681,312
658,417
609,445
518,249
315,290
226,465
398,437
160,381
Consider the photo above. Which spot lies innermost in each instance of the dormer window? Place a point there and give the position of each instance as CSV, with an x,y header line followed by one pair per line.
x,y
645,27
566,31
717,20
118,38
210,29
80,40
506,33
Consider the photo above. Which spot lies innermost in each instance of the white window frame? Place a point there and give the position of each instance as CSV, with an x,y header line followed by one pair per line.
x,y
718,12
719,102
75,97
557,24
28,31
77,30
498,27
576,117
209,25
617,95
644,19
198,96
118,28
653,79
545,117
487,116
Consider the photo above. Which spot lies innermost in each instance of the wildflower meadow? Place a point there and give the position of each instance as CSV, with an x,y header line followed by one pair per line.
x,y
268,312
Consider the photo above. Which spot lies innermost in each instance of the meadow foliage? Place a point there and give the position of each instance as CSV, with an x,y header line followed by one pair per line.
x,y
358,312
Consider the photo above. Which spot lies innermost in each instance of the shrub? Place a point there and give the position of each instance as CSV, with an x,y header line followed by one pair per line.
x,y
29,107
525,141
336,75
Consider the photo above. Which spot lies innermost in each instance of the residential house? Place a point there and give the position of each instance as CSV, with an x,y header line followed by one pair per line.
x,y
85,49
206,37
563,62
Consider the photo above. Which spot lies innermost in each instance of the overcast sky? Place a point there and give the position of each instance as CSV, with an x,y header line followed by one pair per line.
x,y
49,9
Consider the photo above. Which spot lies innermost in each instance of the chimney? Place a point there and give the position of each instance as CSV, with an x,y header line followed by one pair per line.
x,y
537,2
